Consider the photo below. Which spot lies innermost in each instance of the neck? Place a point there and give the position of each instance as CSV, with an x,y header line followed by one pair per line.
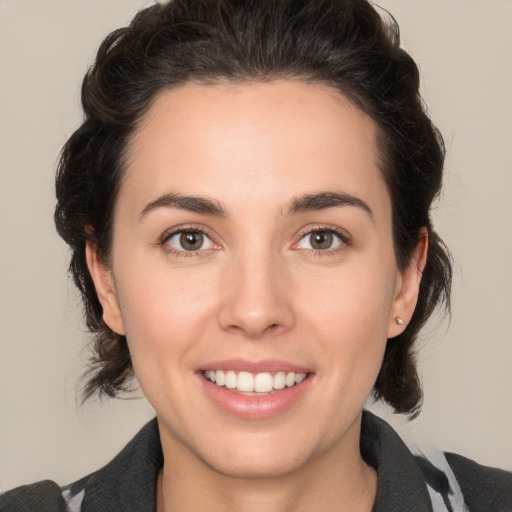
x,y
336,480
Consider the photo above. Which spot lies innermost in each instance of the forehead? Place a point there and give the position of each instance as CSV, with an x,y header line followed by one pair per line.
x,y
277,139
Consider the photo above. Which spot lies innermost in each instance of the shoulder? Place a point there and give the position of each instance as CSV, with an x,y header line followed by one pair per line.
x,y
484,488
126,483
437,481
44,496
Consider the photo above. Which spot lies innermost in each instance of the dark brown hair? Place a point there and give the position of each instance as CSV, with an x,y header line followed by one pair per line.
x,y
342,43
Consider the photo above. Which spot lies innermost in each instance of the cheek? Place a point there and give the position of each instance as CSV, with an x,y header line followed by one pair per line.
x,y
163,312
358,300
349,320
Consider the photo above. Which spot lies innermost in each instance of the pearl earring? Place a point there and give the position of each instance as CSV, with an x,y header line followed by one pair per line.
x,y
399,321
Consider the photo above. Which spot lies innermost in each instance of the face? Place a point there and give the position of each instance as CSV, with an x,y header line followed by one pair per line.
x,y
253,273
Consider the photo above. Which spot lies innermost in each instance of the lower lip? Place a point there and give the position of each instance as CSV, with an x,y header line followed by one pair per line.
x,y
255,407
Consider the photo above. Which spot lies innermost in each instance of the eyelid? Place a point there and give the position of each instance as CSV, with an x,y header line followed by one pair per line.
x,y
340,233
343,236
168,234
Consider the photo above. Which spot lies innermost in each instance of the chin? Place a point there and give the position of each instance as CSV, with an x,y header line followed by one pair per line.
x,y
258,456
264,467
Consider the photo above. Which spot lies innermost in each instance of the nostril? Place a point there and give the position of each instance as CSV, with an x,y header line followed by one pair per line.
x,y
255,315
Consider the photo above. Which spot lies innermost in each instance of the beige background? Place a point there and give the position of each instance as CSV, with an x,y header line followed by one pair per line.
x,y
464,47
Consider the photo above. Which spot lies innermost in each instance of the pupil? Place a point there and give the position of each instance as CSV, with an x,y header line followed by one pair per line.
x,y
191,241
321,240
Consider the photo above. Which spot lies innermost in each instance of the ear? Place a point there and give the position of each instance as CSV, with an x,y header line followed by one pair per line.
x,y
104,283
407,287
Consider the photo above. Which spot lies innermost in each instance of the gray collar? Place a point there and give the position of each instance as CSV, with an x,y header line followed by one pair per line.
x,y
128,482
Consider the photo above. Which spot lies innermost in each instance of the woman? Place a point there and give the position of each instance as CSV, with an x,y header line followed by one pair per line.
x,y
247,203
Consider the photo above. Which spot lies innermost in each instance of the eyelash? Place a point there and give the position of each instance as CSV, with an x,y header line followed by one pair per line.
x,y
342,237
184,253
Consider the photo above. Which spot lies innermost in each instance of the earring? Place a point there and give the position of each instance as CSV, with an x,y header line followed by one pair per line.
x,y
399,321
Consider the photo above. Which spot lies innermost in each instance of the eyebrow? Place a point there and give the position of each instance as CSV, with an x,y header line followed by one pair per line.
x,y
181,202
302,204
324,200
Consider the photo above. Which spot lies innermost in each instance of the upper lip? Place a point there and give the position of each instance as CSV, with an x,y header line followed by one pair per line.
x,y
264,365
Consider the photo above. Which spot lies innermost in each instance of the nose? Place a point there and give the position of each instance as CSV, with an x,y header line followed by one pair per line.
x,y
257,297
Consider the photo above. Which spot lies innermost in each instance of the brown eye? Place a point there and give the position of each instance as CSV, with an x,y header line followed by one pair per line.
x,y
189,241
320,240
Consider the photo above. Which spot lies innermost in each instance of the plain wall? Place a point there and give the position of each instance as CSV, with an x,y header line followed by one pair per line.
x,y
464,49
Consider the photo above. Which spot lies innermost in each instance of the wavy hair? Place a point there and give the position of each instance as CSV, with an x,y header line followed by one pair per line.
x,y
342,43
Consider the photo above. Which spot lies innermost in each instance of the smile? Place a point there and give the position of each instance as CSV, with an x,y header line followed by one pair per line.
x,y
254,384
255,390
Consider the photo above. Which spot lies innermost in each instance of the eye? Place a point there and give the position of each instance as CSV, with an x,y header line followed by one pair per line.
x,y
188,240
321,240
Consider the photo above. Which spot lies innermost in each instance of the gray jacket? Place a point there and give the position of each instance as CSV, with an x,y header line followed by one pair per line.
x,y
405,482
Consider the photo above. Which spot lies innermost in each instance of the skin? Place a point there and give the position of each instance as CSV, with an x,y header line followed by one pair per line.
x,y
257,289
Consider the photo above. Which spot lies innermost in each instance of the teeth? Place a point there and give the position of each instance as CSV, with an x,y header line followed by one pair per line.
x,y
230,379
220,378
299,378
263,382
246,382
279,380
